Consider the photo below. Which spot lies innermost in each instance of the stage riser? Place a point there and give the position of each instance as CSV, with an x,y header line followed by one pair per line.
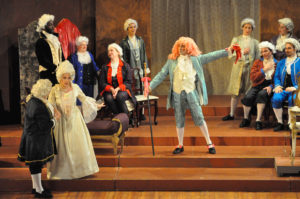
x,y
244,160
188,141
207,111
205,185
168,162
154,185
218,141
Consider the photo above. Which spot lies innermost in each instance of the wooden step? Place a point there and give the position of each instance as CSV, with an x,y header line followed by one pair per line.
x,y
287,166
207,111
158,179
193,156
222,133
218,105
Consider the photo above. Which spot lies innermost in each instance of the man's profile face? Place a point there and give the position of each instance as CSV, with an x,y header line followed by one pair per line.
x,y
49,26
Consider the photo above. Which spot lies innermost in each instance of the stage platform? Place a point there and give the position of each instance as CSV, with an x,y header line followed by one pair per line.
x,y
245,159
218,105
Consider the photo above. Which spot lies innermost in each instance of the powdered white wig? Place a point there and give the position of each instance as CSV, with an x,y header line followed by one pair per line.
x,y
43,20
65,67
81,39
248,21
41,88
128,22
288,23
266,44
294,42
117,47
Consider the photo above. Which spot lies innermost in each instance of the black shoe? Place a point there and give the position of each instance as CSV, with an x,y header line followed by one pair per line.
x,y
143,118
228,117
33,191
258,125
245,123
44,194
287,127
279,127
178,150
211,149
131,122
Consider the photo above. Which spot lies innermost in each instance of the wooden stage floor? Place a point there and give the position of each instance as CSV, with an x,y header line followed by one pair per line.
x,y
244,161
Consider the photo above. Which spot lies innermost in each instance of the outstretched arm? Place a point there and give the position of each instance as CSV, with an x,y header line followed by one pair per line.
x,y
160,76
206,58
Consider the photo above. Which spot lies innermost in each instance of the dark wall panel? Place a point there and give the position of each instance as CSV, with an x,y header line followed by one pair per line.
x,y
272,10
110,18
16,14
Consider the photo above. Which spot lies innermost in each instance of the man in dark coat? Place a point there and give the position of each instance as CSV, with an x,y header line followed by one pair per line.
x,y
37,145
48,49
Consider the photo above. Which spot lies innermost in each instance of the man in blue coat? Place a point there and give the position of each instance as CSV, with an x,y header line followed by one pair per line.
x,y
187,86
285,79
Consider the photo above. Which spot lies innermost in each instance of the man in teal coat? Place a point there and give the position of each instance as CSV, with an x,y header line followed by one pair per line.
x,y
187,86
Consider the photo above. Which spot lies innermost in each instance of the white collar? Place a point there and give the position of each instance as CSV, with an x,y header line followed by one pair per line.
x,y
53,39
291,59
84,58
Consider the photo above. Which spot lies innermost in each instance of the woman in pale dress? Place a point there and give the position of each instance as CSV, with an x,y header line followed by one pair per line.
x,y
76,157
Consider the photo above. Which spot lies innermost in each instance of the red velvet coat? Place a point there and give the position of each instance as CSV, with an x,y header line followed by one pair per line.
x,y
256,75
124,77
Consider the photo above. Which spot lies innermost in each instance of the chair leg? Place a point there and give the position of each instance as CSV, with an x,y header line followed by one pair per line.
x,y
115,142
137,116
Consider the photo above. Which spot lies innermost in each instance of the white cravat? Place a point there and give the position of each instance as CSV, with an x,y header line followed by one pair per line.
x,y
133,41
288,62
280,42
245,43
184,75
114,67
84,58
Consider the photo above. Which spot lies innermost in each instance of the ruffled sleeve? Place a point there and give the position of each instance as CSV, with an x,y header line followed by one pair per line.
x,y
89,109
89,106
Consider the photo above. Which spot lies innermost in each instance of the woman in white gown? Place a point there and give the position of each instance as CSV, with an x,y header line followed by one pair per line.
x,y
76,157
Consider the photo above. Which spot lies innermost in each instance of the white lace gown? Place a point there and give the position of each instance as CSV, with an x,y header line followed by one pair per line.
x,y
76,157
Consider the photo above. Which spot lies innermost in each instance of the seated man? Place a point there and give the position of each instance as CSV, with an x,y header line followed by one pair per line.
x,y
261,75
285,80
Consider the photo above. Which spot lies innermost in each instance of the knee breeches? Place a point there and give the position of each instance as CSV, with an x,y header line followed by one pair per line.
x,y
279,98
184,101
254,96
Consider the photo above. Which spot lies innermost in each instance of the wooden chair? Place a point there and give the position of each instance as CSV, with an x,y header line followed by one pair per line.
x,y
294,113
109,132
142,101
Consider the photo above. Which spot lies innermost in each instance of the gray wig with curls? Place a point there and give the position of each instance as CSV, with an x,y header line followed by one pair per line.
x,y
41,88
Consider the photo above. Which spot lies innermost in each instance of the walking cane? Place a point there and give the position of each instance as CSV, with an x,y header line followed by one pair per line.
x,y
146,81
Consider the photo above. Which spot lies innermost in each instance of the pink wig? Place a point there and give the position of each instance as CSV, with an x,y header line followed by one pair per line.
x,y
190,45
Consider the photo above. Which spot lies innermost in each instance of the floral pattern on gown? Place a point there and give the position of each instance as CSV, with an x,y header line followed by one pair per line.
x,y
76,157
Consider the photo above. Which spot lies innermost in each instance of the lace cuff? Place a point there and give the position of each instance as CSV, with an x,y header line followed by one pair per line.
x,y
89,109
